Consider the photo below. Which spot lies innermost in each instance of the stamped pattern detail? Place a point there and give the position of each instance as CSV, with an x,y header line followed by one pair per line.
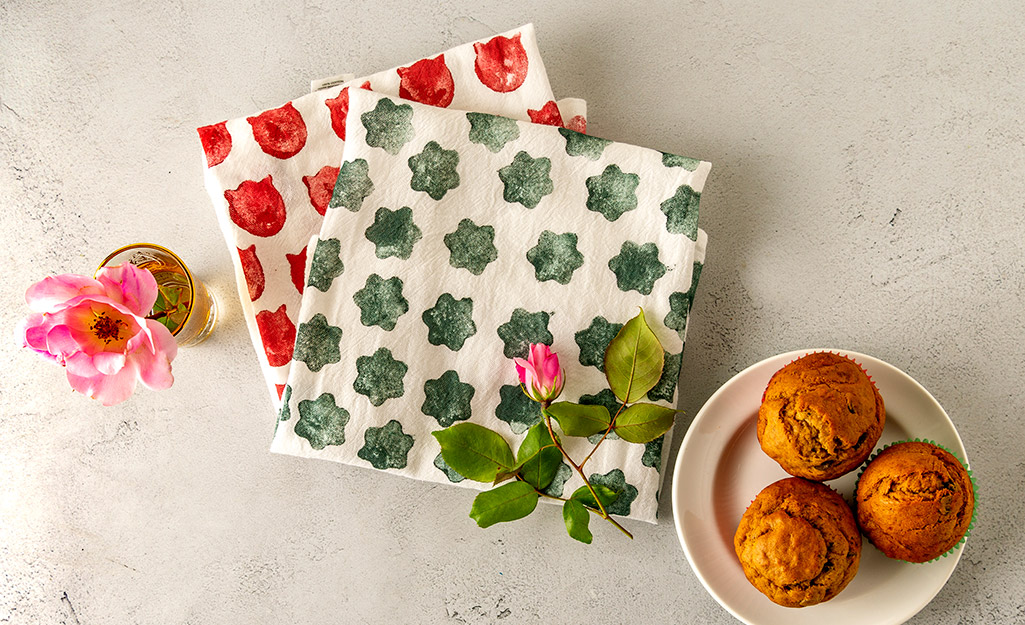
x,y
466,237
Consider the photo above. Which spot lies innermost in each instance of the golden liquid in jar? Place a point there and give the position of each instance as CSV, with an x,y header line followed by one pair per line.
x,y
186,314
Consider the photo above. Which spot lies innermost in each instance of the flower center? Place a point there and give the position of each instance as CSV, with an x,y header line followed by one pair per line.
x,y
107,329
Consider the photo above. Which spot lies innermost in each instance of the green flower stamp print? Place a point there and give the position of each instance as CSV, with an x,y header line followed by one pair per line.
x,y
562,474
595,340
522,329
492,131
316,343
449,472
665,388
607,398
393,233
652,456
681,212
555,257
352,186
434,170
450,321
612,193
579,144
672,160
527,179
321,421
616,481
448,399
637,267
379,377
389,126
604,397
471,247
516,409
380,302
386,447
326,265
680,304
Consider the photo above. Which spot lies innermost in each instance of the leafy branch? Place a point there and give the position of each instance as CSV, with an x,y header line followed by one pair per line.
x,y
171,306
634,361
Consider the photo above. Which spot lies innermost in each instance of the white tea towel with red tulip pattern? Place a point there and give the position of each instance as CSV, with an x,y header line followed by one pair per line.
x,y
271,175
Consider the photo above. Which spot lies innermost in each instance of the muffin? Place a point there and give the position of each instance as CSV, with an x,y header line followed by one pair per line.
x,y
915,501
798,543
820,417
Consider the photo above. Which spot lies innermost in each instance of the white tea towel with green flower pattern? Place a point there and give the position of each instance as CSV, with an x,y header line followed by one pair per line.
x,y
455,239
271,175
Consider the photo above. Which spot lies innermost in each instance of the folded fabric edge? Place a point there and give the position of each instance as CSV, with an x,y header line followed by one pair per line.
x,y
330,81
526,30
465,484
700,172
574,113
213,188
333,82
572,110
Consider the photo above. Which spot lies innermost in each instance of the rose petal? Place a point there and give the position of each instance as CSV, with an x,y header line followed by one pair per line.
x,y
521,366
529,374
154,371
538,353
155,367
60,341
531,380
81,365
135,288
141,340
95,301
31,331
109,363
109,389
163,340
52,293
550,371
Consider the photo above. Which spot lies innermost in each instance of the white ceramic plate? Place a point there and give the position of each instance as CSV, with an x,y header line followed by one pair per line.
x,y
720,469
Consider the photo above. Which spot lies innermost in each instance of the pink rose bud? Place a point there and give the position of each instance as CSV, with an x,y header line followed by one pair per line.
x,y
540,374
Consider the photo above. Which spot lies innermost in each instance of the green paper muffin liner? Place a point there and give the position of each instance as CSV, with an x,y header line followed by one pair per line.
x,y
971,476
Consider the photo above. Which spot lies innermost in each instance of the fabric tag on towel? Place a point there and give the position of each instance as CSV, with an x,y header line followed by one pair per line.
x,y
270,176
452,241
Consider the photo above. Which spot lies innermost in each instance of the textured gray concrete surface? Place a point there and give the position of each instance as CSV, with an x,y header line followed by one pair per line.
x,y
868,191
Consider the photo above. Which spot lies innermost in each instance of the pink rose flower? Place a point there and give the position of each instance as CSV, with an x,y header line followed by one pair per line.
x,y
540,373
97,329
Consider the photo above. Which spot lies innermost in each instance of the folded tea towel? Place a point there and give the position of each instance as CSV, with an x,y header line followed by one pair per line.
x,y
453,240
270,176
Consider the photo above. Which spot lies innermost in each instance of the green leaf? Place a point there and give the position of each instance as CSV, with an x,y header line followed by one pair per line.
x,y
579,420
634,360
538,457
475,452
642,423
508,502
173,295
576,518
503,476
606,494
160,303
